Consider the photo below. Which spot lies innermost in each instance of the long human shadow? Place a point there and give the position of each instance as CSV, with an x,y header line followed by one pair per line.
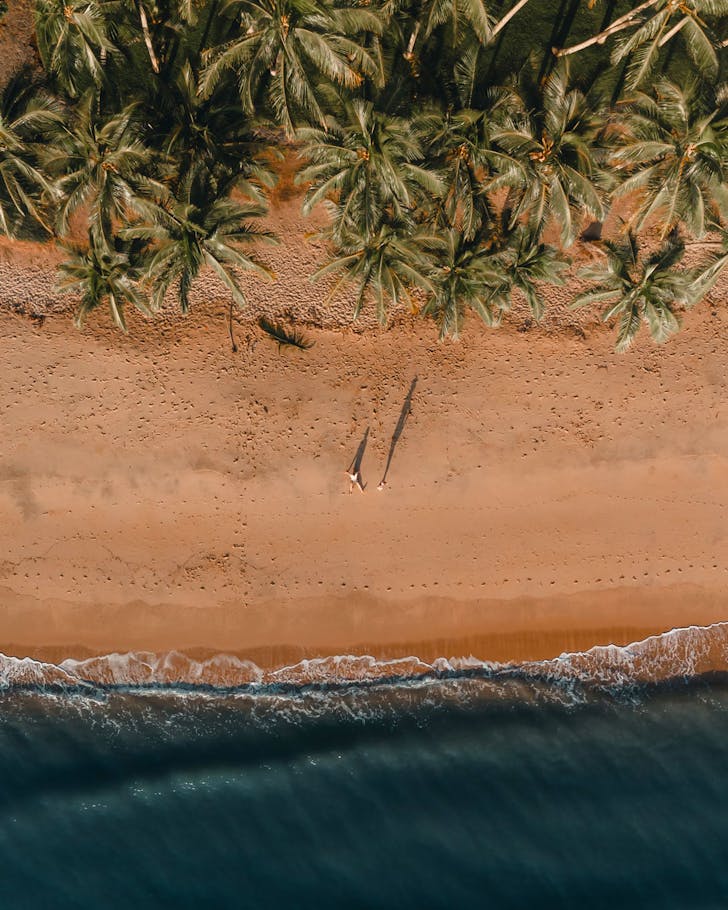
x,y
403,415
355,466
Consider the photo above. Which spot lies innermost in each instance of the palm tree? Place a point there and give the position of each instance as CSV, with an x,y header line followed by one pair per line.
x,y
457,146
27,116
195,230
290,47
387,263
101,274
370,167
469,17
209,134
463,275
102,166
547,154
525,263
73,38
654,23
640,289
674,147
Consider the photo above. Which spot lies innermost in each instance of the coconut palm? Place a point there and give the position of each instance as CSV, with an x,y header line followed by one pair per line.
x,y
673,145
386,264
195,230
73,38
101,165
288,48
525,264
639,289
209,134
547,154
647,28
464,275
467,19
371,167
102,274
27,116
457,145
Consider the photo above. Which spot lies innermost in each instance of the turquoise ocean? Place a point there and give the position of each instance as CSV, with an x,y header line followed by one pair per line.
x,y
597,780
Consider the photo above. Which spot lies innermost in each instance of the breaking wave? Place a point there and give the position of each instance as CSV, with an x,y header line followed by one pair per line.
x,y
678,654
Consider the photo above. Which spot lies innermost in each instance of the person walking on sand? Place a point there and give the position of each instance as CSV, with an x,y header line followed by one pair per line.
x,y
355,480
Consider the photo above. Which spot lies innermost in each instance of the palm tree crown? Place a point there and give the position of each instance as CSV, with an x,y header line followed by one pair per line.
x,y
646,289
291,46
103,166
27,115
673,146
371,167
548,156
195,230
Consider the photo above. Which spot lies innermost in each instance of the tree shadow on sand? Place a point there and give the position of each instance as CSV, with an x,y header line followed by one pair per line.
x,y
403,415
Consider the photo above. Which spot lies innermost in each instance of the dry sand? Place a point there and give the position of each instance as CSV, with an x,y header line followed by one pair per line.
x,y
159,492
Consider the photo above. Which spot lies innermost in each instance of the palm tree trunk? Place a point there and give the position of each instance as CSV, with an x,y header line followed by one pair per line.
x,y
618,25
412,40
507,18
148,38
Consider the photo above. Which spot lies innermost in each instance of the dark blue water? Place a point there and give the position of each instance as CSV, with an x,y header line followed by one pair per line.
x,y
432,794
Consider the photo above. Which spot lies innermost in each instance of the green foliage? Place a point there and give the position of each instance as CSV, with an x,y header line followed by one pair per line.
x,y
198,228
646,288
28,115
457,156
287,47
369,168
547,154
672,147
98,274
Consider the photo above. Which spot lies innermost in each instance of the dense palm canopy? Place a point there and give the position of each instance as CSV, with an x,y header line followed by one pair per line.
x,y
27,117
370,166
673,148
73,38
457,157
290,47
457,145
103,166
548,155
207,134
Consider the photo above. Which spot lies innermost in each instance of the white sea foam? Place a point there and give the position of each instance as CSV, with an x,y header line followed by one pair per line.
x,y
683,652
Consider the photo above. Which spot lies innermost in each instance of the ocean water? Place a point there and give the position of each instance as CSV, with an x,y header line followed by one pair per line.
x,y
596,780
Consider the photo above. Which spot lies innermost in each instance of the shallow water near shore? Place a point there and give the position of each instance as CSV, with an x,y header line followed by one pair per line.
x,y
568,783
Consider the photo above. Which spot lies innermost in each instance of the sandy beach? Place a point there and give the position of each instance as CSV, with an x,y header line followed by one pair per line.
x,y
159,492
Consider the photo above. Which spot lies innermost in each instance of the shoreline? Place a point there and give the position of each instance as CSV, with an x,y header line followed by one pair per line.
x,y
499,631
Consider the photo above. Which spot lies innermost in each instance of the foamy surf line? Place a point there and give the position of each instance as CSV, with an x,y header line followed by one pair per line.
x,y
680,653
